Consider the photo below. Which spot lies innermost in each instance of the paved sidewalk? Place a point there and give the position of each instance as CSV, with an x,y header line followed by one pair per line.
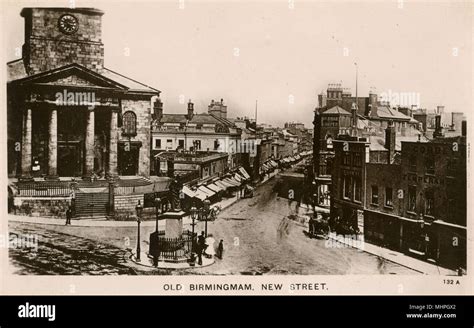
x,y
396,257
147,262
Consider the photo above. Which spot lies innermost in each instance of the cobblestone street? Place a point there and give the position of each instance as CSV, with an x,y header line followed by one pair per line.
x,y
64,254
258,237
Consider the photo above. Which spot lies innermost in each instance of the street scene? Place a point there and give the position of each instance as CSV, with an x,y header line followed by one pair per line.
x,y
267,243
256,154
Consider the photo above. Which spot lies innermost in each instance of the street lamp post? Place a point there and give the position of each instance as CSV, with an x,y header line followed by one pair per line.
x,y
205,212
194,215
157,211
139,209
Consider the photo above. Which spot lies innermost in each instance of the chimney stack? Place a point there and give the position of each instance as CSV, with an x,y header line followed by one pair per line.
x,y
438,132
354,119
390,139
158,109
190,110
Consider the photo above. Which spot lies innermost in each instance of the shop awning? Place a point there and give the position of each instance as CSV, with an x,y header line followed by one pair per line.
x,y
214,187
188,192
244,173
207,191
231,182
200,195
221,184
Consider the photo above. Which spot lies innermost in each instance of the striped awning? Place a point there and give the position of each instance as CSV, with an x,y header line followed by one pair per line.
x,y
200,195
238,178
244,173
215,187
221,184
230,182
188,192
207,191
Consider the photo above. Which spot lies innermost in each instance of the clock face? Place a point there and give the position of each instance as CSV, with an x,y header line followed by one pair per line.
x,y
68,24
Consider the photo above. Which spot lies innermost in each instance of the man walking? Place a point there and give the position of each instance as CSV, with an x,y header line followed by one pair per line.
x,y
220,250
68,215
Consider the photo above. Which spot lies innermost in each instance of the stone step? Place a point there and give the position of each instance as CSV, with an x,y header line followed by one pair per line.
x,y
91,204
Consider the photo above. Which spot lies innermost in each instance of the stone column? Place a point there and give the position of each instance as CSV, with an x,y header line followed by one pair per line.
x,y
89,145
113,140
26,143
53,143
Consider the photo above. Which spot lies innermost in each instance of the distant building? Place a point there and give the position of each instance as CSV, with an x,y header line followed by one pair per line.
x,y
210,131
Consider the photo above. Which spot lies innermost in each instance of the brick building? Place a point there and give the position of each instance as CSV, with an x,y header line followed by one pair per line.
x,y
410,198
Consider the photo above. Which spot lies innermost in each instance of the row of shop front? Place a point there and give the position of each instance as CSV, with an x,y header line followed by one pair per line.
x,y
271,165
432,240
215,189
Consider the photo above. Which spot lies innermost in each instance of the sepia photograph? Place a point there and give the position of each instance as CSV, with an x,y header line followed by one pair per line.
x,y
238,138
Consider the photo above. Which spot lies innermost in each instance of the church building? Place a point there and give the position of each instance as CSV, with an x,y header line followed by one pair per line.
x,y
68,115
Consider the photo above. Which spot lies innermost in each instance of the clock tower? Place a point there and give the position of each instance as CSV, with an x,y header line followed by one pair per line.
x,y
55,37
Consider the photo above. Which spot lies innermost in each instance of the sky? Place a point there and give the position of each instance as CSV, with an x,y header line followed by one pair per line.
x,y
281,53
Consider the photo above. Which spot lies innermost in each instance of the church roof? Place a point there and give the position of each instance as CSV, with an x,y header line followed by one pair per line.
x,y
131,84
16,73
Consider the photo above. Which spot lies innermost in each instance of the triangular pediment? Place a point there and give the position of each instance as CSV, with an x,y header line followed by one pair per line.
x,y
72,75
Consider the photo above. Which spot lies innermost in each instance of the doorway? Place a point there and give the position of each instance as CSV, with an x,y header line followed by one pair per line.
x,y
128,154
69,159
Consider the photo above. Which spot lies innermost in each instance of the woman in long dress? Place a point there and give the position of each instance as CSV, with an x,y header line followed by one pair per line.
x,y
210,250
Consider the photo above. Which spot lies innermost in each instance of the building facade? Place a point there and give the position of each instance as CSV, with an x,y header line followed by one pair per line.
x,y
69,115
197,132
411,199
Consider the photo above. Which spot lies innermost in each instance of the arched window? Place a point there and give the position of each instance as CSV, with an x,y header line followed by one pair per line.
x,y
129,123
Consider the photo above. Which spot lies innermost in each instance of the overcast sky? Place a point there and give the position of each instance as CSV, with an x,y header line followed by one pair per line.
x,y
277,52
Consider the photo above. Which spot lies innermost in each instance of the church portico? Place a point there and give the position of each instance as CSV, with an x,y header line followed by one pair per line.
x,y
69,140
73,121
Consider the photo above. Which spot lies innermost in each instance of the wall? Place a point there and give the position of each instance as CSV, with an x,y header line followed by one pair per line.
x,y
41,206
142,109
125,206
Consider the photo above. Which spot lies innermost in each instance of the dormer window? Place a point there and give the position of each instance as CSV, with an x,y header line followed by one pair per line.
x,y
129,127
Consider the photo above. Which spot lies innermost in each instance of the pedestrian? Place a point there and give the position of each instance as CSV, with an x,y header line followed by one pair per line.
x,y
68,215
220,250
210,250
201,247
